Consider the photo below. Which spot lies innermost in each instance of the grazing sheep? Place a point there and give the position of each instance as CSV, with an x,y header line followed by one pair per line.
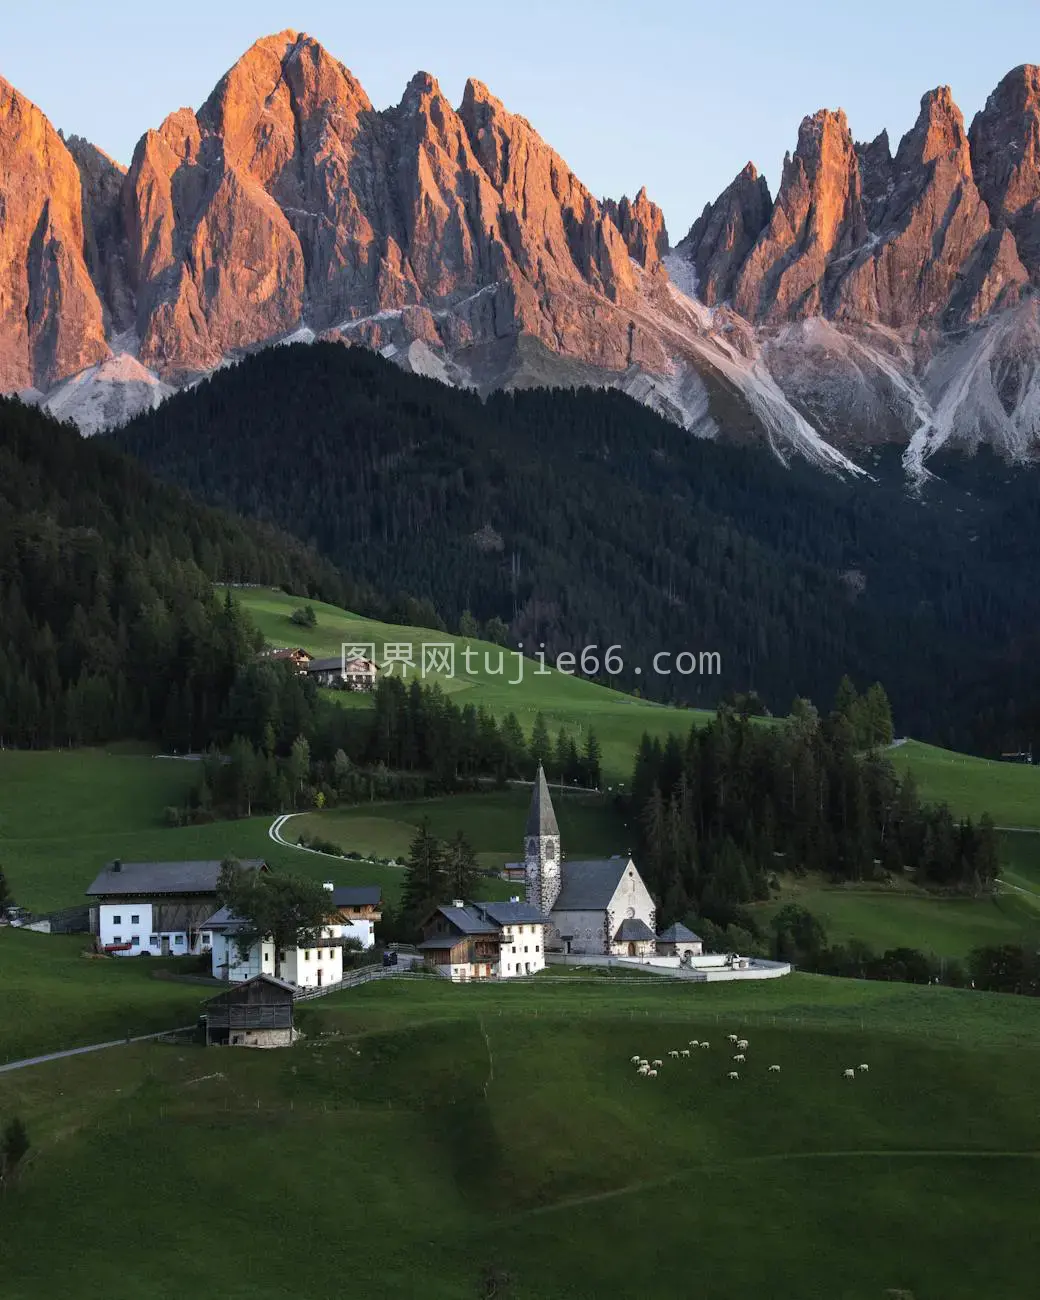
x,y
774,1069
741,1044
675,1054
655,1064
705,1044
732,1037
733,1075
685,1052
694,1043
643,1061
740,1057
849,1074
864,1067
644,1069
652,1074
636,1060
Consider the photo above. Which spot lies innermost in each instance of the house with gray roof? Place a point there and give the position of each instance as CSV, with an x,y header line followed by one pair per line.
x,y
680,941
493,940
598,906
156,908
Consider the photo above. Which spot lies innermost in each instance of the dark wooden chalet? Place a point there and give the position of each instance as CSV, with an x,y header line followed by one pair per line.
x,y
461,938
255,1013
358,902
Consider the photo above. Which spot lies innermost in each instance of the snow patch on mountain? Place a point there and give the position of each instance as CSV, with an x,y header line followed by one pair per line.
x,y
106,395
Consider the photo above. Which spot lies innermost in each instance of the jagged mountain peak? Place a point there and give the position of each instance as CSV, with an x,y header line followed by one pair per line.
x,y
458,242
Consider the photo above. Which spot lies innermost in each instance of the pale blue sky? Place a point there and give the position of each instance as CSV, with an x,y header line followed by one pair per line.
x,y
674,96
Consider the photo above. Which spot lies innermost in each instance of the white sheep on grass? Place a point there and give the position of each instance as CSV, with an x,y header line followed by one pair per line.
x,y
733,1075
774,1069
849,1074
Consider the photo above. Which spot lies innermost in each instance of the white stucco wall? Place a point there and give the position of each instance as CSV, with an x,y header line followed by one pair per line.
x,y
529,956
300,966
228,964
362,930
116,925
632,900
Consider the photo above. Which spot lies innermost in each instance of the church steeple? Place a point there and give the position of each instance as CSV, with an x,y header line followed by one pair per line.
x,y
542,848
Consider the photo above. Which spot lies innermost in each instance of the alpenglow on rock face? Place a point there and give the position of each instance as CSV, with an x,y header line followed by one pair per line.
x,y
877,298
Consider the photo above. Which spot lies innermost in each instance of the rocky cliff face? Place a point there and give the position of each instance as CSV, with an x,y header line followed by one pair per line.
x,y
50,317
455,241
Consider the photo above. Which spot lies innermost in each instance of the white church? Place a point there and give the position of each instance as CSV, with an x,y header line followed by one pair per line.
x,y
600,906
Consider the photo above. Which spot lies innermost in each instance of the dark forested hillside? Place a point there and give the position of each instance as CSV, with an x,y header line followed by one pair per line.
x,y
583,518
109,623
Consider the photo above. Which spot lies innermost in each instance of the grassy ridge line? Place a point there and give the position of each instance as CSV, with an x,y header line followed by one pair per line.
x,y
573,702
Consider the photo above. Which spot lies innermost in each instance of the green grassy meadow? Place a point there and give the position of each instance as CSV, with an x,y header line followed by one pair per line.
x,y
890,918
494,823
1009,792
52,997
572,702
466,1142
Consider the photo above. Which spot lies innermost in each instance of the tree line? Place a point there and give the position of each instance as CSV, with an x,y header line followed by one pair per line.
x,y
282,744
720,817
110,626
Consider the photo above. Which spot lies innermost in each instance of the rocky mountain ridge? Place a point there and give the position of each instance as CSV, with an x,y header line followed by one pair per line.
x,y
878,297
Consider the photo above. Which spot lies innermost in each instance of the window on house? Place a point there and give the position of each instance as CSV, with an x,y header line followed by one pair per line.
x,y
135,920
179,939
135,939
153,941
537,947
117,920
307,955
281,956
116,939
525,947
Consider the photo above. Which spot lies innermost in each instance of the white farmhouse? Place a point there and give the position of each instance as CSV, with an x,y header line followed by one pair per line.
x,y
303,967
155,908
600,906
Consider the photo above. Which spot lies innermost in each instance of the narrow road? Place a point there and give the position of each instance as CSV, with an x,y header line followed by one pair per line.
x,y
94,1047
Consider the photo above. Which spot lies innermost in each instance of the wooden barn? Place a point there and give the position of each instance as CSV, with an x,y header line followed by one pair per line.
x,y
255,1013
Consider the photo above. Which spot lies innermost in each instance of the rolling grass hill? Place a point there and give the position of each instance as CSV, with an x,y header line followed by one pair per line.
x,y
889,918
572,702
1009,792
496,1141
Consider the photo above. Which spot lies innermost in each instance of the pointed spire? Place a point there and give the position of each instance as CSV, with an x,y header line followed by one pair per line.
x,y
541,820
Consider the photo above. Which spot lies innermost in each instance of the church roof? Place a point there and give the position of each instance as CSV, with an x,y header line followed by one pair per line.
x,y
678,933
541,820
589,886
633,930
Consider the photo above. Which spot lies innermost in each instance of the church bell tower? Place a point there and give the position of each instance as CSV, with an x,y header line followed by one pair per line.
x,y
542,848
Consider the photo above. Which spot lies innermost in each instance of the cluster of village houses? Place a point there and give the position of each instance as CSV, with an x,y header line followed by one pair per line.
x,y
345,671
589,909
